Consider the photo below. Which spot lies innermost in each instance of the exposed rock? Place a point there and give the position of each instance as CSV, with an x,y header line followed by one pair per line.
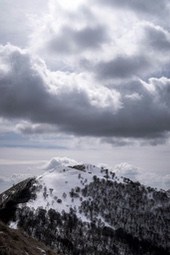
x,y
15,242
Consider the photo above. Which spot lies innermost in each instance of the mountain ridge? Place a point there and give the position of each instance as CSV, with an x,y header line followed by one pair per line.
x,y
82,209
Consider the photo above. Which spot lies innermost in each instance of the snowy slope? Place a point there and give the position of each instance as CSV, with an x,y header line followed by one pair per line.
x,y
54,186
72,202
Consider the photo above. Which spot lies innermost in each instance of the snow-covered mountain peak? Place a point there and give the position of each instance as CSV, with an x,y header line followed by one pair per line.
x,y
54,189
74,202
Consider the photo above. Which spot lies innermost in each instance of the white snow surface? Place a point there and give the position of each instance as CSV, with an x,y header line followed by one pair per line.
x,y
42,251
57,184
13,224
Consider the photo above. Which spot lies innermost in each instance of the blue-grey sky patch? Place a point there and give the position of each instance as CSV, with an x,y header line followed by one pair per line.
x,y
157,39
156,8
70,40
122,67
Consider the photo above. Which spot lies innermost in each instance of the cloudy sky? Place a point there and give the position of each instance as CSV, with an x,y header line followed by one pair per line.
x,y
88,80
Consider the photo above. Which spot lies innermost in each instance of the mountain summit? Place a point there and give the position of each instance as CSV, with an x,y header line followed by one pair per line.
x,y
84,209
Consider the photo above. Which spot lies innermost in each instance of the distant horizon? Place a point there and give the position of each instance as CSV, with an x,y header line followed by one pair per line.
x,y
12,170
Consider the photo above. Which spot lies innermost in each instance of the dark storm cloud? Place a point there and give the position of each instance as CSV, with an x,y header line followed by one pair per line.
x,y
155,7
122,67
118,141
21,90
29,91
32,129
143,141
70,40
25,94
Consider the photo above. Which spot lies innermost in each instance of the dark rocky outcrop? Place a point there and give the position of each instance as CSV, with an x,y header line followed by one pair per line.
x,y
20,193
15,242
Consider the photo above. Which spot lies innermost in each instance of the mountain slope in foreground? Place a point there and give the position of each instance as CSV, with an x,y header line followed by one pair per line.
x,y
14,242
83,209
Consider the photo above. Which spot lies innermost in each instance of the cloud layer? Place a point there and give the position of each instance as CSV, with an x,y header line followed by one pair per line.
x,y
74,104
89,71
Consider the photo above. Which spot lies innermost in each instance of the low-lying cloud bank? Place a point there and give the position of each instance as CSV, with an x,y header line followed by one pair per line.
x,y
144,176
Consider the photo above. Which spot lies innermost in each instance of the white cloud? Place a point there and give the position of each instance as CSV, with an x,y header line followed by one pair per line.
x,y
59,161
17,18
146,177
126,170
